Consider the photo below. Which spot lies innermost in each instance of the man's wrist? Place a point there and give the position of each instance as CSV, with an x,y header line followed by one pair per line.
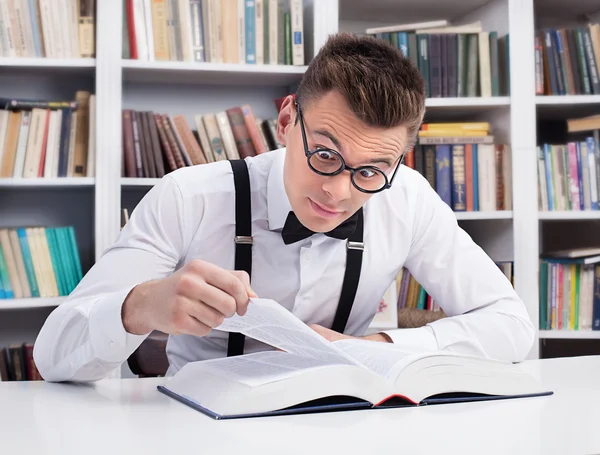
x,y
382,337
130,312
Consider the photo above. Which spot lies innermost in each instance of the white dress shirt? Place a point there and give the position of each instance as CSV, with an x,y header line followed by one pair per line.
x,y
189,215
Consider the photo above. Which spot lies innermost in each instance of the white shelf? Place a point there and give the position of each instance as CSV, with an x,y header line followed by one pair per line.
x,y
570,215
36,302
26,62
129,182
211,73
42,182
491,101
570,334
542,100
407,11
497,215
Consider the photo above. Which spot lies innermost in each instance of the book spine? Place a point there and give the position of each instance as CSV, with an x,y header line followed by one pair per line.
x,y
458,178
250,33
443,177
596,299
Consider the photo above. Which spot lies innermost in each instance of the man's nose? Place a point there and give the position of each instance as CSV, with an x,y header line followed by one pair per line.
x,y
338,187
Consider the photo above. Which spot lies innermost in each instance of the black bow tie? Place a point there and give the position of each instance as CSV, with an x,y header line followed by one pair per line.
x,y
294,230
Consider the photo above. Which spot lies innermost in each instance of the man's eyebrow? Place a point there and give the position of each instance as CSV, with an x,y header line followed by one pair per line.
x,y
381,159
331,137
388,160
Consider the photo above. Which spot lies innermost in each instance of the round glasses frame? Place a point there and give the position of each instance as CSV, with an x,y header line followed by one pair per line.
x,y
343,165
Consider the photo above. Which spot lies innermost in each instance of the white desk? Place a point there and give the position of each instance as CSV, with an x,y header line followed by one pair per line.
x,y
130,416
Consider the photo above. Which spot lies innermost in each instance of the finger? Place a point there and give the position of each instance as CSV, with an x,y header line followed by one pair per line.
x,y
189,325
217,299
244,278
204,313
228,283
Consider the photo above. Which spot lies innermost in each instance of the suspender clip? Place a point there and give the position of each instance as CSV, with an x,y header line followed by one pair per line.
x,y
243,239
355,245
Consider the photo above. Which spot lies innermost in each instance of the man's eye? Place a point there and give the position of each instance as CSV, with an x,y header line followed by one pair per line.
x,y
325,155
367,173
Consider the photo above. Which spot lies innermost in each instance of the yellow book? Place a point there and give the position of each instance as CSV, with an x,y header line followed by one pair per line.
x,y
461,126
453,132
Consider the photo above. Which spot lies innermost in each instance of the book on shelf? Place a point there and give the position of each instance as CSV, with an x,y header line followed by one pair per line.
x,y
48,138
48,28
569,175
406,294
567,60
17,363
570,289
38,261
310,374
465,164
269,32
155,144
455,61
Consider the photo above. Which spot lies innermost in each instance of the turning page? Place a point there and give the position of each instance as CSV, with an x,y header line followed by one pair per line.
x,y
269,322
385,359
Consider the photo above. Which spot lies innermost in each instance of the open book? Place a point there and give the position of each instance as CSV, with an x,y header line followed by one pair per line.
x,y
310,374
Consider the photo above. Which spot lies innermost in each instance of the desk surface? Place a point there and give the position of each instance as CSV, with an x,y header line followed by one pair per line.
x,y
131,416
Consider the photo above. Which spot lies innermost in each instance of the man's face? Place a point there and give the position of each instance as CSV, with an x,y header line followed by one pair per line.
x,y
323,202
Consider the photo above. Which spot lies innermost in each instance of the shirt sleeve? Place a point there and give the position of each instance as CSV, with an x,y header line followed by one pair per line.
x,y
83,339
485,316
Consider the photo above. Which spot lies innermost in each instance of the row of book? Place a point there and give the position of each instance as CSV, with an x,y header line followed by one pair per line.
x,y
567,60
411,294
45,138
407,294
455,61
155,144
464,164
17,363
267,32
38,261
570,290
569,175
48,28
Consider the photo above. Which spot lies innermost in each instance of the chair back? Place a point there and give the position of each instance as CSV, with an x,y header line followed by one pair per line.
x,y
150,358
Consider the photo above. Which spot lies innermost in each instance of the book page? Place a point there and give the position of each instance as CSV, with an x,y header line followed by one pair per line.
x,y
269,322
261,367
385,359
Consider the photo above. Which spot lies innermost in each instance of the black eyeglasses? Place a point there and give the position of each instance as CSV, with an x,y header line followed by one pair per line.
x,y
328,162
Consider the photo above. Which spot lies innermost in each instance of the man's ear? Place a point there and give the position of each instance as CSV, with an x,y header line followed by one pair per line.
x,y
286,118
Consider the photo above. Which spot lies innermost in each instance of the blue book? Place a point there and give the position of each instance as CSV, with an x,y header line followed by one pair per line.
x,y
475,179
579,176
308,374
549,180
4,278
250,30
273,383
403,43
443,173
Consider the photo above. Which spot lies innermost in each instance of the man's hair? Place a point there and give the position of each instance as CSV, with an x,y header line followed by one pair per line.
x,y
381,86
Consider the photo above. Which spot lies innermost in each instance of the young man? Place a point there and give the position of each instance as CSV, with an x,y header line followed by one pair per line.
x,y
356,113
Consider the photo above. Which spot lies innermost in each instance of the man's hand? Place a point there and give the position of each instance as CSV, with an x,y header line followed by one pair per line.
x,y
332,335
193,300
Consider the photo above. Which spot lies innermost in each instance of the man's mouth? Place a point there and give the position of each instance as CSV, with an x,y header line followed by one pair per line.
x,y
323,210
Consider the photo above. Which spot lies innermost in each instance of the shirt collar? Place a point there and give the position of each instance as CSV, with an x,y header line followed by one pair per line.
x,y
278,204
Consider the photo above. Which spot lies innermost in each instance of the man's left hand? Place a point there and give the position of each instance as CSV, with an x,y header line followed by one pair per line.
x,y
332,335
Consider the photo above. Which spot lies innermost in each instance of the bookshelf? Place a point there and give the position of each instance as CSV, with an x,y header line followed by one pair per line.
x,y
92,204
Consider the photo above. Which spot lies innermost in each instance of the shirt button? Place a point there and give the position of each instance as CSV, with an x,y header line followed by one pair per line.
x,y
307,256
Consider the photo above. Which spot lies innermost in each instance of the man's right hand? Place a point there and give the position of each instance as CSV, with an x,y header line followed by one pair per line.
x,y
192,301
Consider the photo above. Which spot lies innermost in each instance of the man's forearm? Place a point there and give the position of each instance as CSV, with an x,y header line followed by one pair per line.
x,y
84,339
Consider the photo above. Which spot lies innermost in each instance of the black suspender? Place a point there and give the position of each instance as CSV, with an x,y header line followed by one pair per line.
x,y
243,237
243,254
354,252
